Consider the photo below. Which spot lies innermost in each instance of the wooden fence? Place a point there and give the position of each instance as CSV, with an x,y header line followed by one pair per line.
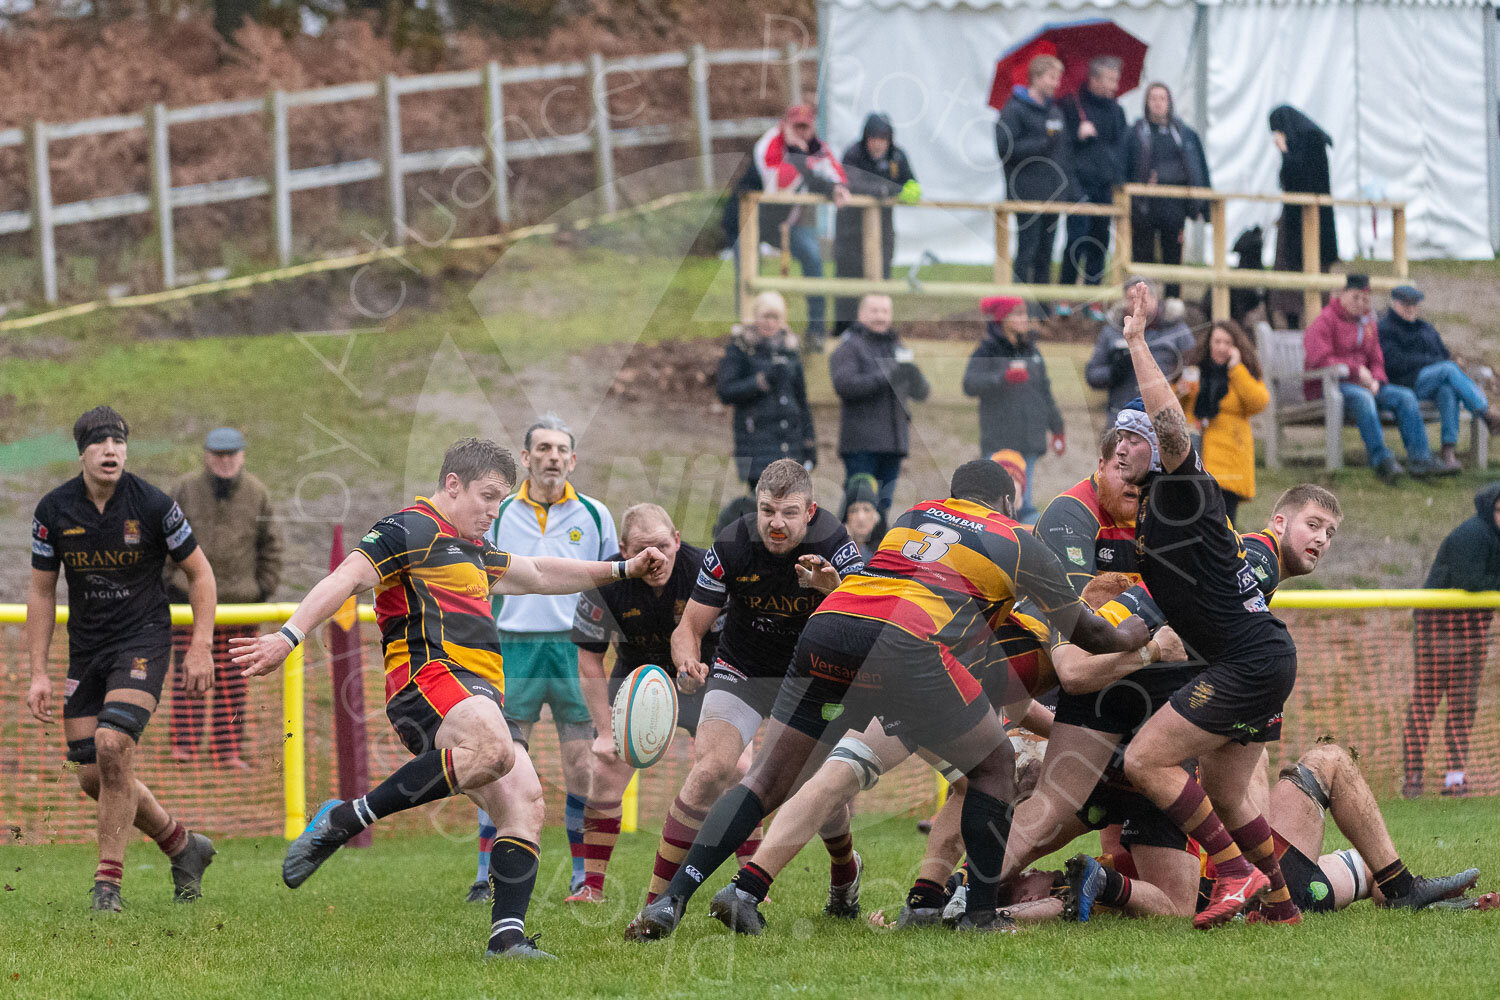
x,y
42,217
1218,276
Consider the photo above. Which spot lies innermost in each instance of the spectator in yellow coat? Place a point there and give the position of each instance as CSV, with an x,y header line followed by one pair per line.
x,y
1222,387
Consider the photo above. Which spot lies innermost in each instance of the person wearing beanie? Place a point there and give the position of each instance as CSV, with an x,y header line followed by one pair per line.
x,y
1014,462
861,513
1007,374
875,166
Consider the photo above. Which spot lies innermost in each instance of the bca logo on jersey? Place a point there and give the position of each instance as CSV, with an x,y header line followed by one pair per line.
x,y
712,566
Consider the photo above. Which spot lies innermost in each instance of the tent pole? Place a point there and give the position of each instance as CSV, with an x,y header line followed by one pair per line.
x,y
1491,26
1199,113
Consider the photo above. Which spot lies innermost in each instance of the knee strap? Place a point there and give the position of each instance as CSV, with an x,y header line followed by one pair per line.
x,y
1302,776
857,754
1356,865
82,751
121,717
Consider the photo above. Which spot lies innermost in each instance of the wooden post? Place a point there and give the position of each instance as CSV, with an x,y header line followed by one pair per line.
x,y
43,240
1398,241
494,138
698,78
1120,266
604,153
873,249
1312,302
390,99
749,251
785,242
1218,216
792,63
281,171
159,157
1002,245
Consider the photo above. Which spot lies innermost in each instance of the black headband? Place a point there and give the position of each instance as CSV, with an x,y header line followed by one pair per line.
x,y
103,432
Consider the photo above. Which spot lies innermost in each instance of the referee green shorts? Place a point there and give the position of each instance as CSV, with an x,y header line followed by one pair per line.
x,y
542,667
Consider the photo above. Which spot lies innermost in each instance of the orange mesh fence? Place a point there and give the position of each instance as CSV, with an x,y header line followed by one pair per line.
x,y
1403,688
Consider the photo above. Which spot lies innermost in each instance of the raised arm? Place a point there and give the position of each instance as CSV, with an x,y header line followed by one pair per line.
x,y
1161,402
264,653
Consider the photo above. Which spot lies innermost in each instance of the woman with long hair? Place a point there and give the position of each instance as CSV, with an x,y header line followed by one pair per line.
x,y
1222,387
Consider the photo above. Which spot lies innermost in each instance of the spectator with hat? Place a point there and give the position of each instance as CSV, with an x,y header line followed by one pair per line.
x,y
791,158
1345,333
232,516
875,166
1008,375
1417,358
861,513
1014,462
761,376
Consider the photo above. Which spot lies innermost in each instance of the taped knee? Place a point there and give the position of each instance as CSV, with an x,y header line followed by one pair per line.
x,y
1303,777
861,759
1351,860
82,751
121,717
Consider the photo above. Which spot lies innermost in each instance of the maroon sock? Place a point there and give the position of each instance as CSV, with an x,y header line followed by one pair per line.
x,y
173,838
110,871
1195,816
1259,848
842,869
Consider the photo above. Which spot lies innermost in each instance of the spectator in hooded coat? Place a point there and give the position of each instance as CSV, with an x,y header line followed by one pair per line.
x,y
1304,170
875,166
1162,149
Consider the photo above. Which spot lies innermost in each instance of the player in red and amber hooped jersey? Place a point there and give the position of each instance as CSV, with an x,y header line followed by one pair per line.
x,y
433,573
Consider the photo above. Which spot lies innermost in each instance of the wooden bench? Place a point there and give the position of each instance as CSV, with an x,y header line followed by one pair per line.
x,y
1282,357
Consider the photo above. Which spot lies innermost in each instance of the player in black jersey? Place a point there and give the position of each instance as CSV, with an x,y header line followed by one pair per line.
x,y
771,569
638,617
110,532
1195,567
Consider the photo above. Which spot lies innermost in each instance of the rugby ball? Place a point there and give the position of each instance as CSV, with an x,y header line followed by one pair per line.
x,y
644,716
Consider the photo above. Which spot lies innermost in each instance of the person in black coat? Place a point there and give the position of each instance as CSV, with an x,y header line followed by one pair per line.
x,y
1304,169
1016,408
1034,149
1162,149
875,166
1451,645
874,375
761,376
1095,125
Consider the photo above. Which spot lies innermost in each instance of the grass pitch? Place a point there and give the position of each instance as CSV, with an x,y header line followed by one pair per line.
x,y
390,922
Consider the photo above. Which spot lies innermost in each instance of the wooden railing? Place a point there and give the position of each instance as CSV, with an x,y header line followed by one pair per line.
x,y
1218,276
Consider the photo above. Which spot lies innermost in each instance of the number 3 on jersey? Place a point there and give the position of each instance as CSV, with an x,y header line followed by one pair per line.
x,y
936,540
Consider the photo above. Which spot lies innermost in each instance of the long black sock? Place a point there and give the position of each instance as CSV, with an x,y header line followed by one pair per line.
x,y
732,819
425,778
925,894
513,867
985,823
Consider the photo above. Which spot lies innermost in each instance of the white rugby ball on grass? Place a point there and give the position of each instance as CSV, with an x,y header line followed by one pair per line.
x,y
644,716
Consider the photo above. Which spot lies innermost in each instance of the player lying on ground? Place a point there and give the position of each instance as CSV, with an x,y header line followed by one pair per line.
x,y
433,573
1325,780
890,642
771,569
111,533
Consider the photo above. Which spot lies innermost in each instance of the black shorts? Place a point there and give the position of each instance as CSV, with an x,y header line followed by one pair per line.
x,y
689,706
140,666
1125,705
418,708
759,693
1307,882
847,670
1242,701
1142,824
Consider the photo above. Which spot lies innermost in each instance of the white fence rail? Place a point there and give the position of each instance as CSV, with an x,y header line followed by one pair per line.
x,y
394,162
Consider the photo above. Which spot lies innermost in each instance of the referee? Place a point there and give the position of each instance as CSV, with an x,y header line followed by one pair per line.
x,y
111,533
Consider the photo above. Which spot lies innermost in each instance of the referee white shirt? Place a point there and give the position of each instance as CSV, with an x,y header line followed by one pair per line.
x,y
576,527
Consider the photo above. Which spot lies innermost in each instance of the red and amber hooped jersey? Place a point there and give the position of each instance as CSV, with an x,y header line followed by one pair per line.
x,y
432,601
1084,536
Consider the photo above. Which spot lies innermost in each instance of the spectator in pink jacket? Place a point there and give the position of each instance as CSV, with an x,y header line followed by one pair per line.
x,y
1345,333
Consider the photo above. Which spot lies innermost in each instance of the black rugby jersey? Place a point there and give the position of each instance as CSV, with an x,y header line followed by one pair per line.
x,y
112,560
1196,569
640,621
767,606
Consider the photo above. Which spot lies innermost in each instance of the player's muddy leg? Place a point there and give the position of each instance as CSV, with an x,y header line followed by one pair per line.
x,y
1167,886
1074,761
1229,773
119,726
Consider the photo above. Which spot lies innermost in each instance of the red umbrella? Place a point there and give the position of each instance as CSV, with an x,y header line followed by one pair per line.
x,y
1075,43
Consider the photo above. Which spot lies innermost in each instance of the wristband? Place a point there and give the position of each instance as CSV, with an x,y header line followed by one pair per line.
x,y
1146,658
620,570
292,634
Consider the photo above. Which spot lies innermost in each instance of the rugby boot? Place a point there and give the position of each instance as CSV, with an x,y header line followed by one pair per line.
x,y
105,898
957,904
1086,880
1230,896
586,894
1259,916
738,910
658,919
314,846
918,916
479,892
1426,891
525,949
189,866
843,900
986,922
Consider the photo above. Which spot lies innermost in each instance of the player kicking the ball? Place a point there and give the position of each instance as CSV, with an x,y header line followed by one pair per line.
x,y
433,573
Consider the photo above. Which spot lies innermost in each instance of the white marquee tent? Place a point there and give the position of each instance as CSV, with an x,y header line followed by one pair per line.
x,y
1407,89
